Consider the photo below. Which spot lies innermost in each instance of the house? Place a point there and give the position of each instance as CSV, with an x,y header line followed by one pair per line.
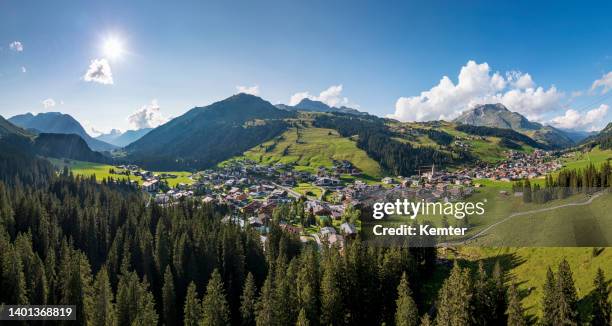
x,y
327,231
348,229
387,180
150,186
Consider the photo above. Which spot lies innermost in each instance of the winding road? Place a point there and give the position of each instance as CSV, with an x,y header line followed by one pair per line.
x,y
483,232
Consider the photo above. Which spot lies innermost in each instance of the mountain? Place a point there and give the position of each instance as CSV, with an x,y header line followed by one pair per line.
x,y
17,141
69,146
603,139
7,129
205,136
58,123
109,137
122,139
309,105
578,135
498,116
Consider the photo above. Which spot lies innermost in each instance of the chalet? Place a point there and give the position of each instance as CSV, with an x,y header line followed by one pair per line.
x,y
150,186
348,229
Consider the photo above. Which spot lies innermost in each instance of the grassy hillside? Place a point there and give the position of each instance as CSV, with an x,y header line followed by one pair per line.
x,y
310,148
527,267
486,149
596,156
101,171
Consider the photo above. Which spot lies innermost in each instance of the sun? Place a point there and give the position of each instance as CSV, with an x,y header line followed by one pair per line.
x,y
113,48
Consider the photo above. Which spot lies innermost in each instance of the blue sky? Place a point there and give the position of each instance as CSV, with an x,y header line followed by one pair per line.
x,y
548,60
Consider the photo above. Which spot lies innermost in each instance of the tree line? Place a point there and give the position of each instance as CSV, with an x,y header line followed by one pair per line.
x,y
567,182
376,140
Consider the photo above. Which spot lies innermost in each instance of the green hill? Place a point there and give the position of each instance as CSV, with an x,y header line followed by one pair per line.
x,y
310,148
205,136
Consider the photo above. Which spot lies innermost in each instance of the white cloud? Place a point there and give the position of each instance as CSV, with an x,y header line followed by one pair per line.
x,y
149,116
23,69
253,90
478,84
591,120
16,46
605,83
331,96
90,129
48,103
99,71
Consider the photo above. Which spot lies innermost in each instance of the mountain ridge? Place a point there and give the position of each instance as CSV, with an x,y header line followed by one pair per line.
x,y
498,116
58,123
205,136
122,139
309,105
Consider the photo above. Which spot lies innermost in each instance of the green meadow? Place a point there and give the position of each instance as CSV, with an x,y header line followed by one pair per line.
x,y
310,148
102,171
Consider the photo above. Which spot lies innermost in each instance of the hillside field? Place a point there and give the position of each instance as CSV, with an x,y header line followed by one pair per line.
x,y
101,171
310,148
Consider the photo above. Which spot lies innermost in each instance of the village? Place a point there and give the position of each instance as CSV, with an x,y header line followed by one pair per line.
x,y
253,191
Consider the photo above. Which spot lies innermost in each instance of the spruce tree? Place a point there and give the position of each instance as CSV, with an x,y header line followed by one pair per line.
x,y
103,307
426,320
193,307
601,304
215,310
515,312
454,299
169,298
550,300
568,299
248,301
331,289
484,301
264,308
302,320
406,313
308,283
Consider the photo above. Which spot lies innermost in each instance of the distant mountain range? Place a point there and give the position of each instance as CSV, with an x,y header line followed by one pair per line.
x,y
308,105
58,123
498,116
122,139
208,135
603,139
14,139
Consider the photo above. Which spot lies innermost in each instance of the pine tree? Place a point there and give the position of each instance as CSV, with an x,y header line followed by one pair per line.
x,y
193,307
169,298
215,310
103,307
302,320
13,278
308,283
426,320
515,312
454,299
264,308
406,313
550,300
484,301
601,305
248,301
568,299
331,287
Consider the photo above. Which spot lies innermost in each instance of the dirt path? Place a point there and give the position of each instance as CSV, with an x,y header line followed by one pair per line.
x,y
483,232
